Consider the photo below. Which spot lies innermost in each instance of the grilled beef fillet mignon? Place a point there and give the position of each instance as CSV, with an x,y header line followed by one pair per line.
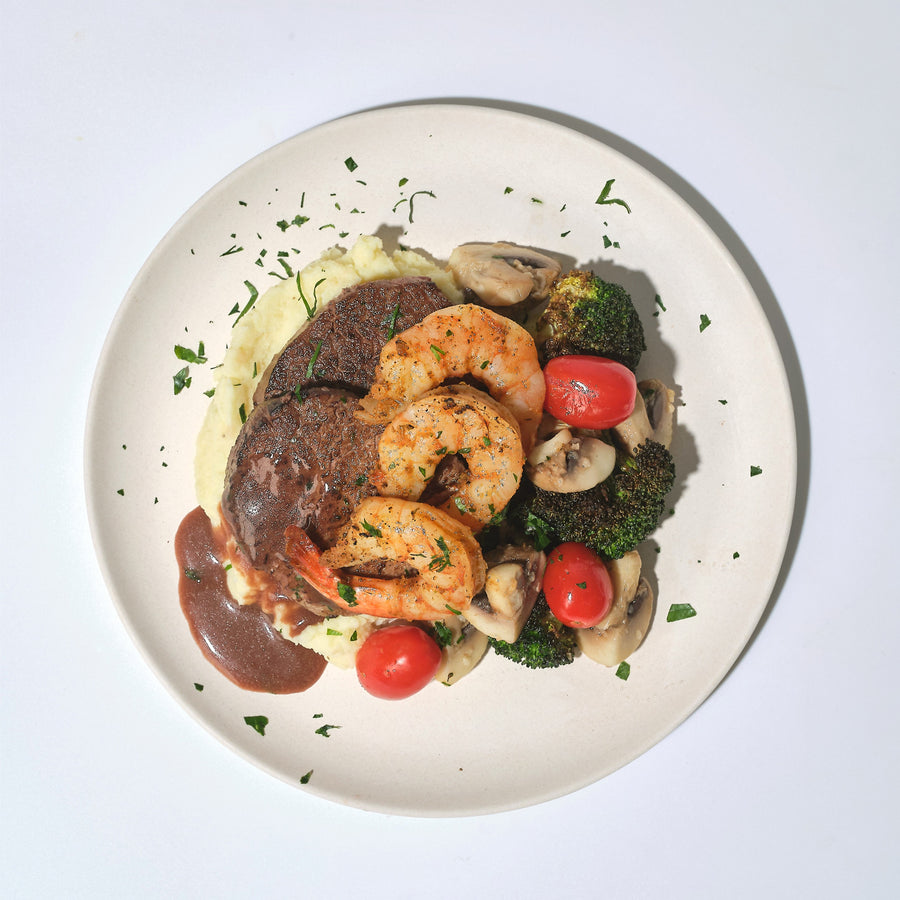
x,y
344,340
302,457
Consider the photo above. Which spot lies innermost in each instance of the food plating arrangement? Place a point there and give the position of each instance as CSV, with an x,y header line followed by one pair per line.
x,y
405,473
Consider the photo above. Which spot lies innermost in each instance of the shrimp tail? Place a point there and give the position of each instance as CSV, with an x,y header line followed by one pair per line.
x,y
306,559
376,409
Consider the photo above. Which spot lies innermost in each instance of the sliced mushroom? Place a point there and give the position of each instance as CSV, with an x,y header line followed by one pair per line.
x,y
502,274
462,650
565,462
510,590
660,403
620,633
653,416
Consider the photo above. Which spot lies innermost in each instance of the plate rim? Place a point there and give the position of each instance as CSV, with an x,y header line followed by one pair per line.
x,y
776,572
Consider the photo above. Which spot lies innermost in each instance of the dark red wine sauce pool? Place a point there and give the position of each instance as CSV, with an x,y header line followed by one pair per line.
x,y
239,641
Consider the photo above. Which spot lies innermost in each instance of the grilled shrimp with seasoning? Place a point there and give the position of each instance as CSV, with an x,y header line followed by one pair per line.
x,y
461,420
459,341
449,568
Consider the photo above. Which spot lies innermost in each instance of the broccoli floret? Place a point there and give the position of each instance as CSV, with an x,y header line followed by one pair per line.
x,y
616,515
545,643
588,315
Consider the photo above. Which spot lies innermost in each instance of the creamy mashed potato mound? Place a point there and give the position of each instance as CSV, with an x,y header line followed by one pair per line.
x,y
262,333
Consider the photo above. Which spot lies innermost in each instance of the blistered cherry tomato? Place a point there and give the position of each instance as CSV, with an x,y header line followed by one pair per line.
x,y
589,391
577,586
397,661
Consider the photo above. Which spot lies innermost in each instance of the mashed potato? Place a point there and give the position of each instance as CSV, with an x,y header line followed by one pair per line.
x,y
267,327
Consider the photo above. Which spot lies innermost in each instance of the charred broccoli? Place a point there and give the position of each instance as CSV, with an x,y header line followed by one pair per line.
x,y
588,315
544,643
616,515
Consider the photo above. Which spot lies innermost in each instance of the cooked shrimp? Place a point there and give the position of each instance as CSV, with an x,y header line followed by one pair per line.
x,y
451,420
446,558
452,343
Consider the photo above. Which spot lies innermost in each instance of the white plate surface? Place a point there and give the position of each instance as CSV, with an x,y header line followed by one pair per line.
x,y
495,740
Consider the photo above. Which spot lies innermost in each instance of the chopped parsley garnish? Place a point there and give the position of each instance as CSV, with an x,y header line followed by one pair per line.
x,y
310,308
460,505
181,379
438,353
185,354
354,636
346,593
659,303
507,190
242,412
441,561
232,249
678,611
444,634
254,293
623,671
392,323
410,201
539,531
298,220
325,729
704,321
257,723
735,555
755,470
485,364
312,362
304,779
604,197
333,632
350,163
582,585
121,492
198,686
192,574
371,529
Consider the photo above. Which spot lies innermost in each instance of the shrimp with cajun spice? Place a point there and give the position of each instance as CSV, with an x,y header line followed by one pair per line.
x,y
443,553
461,420
451,343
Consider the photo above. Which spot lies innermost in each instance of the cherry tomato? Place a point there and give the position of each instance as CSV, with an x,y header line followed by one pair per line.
x,y
397,661
589,391
577,586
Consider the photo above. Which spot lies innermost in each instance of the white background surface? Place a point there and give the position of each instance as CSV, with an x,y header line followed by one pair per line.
x,y
777,119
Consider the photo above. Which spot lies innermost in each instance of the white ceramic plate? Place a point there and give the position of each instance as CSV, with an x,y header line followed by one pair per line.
x,y
494,741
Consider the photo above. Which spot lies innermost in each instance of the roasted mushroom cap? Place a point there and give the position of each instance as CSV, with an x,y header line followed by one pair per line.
x,y
620,633
565,462
653,417
511,589
502,274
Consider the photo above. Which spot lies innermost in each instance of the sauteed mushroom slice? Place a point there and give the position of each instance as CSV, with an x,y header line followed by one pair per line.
x,y
464,647
511,589
566,463
653,417
502,274
620,633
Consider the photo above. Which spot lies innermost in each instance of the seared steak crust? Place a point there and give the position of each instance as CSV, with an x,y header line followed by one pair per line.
x,y
341,345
